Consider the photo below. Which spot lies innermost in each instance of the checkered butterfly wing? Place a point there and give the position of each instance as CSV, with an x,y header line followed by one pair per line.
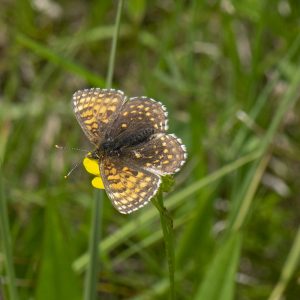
x,y
96,109
164,154
139,113
128,186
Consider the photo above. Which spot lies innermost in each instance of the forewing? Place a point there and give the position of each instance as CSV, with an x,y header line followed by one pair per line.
x,y
96,109
138,113
163,154
128,187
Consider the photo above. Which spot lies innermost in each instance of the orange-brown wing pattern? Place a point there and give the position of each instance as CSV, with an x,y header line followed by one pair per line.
x,y
141,112
163,154
95,110
128,187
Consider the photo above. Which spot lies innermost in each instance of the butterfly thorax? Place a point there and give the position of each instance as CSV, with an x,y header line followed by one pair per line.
x,y
128,139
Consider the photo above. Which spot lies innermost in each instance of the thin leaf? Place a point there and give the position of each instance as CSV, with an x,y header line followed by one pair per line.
x,y
56,279
59,60
219,281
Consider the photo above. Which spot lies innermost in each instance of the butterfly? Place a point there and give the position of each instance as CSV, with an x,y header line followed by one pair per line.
x,y
132,147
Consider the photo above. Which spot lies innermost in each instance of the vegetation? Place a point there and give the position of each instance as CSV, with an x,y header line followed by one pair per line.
x,y
229,74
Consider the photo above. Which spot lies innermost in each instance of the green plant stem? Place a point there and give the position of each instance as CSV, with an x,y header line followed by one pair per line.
x,y
288,269
6,244
167,228
114,46
90,291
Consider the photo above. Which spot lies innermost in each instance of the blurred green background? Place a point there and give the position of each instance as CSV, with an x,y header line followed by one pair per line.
x,y
229,74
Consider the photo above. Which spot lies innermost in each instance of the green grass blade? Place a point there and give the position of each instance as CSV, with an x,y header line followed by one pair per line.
x,y
197,235
288,269
218,284
158,290
59,60
249,196
56,279
6,243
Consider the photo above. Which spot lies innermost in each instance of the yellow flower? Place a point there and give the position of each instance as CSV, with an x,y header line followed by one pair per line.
x,y
92,167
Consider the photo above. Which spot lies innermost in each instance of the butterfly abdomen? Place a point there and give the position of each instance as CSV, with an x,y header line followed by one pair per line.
x,y
138,137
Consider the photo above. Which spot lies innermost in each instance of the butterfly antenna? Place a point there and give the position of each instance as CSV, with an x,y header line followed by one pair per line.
x,y
71,171
71,148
